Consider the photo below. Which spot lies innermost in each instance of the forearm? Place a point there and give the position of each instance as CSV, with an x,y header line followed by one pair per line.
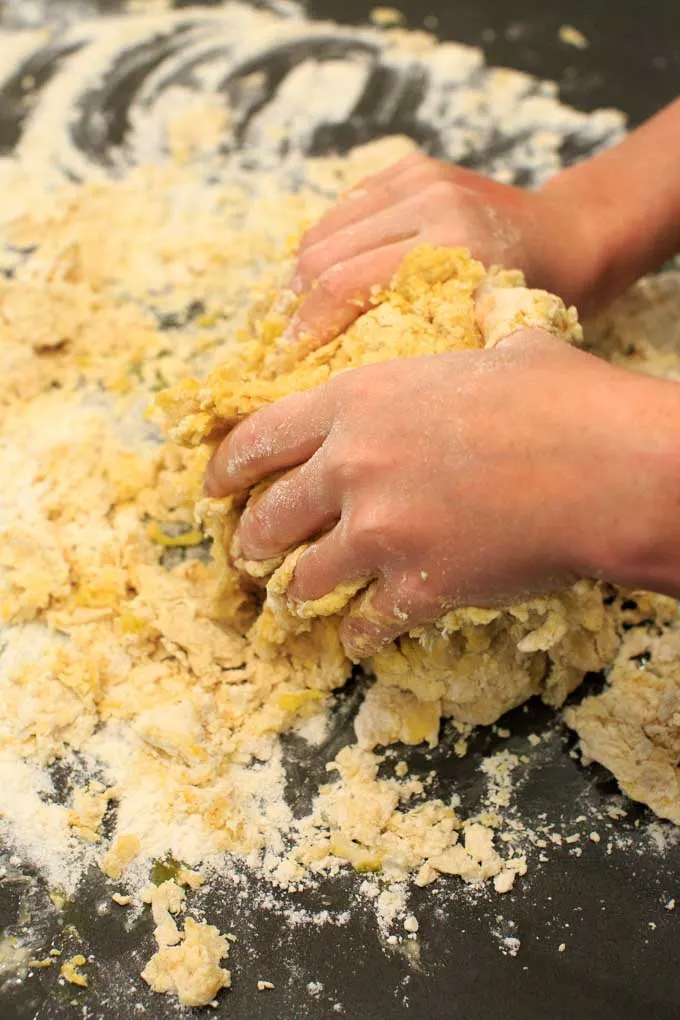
x,y
629,200
633,534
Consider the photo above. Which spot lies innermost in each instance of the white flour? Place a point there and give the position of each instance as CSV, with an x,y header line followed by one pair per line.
x,y
241,157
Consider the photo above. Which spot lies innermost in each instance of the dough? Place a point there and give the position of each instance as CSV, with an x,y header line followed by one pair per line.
x,y
190,970
633,727
473,664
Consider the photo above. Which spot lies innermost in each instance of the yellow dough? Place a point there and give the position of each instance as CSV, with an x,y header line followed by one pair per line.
x,y
633,727
472,664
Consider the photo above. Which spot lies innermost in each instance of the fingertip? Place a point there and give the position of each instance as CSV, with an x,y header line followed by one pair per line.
x,y
291,333
295,590
297,332
221,476
361,639
245,538
212,479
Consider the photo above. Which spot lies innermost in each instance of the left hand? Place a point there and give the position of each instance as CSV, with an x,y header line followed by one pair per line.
x,y
360,244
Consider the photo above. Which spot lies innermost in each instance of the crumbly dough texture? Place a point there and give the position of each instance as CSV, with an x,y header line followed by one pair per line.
x,y
633,727
472,664
187,962
124,642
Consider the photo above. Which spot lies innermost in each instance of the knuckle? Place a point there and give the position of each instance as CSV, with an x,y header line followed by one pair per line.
x,y
413,595
256,527
341,466
309,262
333,282
350,466
440,190
373,527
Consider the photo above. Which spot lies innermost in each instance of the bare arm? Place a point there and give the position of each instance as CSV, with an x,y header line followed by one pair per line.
x,y
629,199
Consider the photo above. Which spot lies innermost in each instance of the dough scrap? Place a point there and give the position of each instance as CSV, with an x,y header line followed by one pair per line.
x,y
70,971
123,851
633,727
187,962
191,970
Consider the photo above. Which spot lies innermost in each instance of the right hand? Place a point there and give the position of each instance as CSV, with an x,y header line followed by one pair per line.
x,y
474,478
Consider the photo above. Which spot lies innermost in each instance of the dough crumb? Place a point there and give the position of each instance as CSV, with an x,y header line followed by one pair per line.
x,y
165,900
572,37
387,17
122,853
510,945
190,970
264,986
193,879
88,809
70,971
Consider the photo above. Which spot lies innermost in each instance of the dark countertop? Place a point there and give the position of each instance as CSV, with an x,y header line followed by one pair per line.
x,y
609,909
632,61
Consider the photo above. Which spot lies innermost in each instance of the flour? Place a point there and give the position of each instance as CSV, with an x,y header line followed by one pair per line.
x,y
37,826
136,272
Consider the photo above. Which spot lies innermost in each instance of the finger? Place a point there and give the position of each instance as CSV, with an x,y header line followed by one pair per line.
x,y
399,222
368,196
327,564
272,439
295,508
409,177
342,293
383,613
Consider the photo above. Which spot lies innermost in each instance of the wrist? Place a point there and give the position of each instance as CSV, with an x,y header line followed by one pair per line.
x,y
585,240
626,201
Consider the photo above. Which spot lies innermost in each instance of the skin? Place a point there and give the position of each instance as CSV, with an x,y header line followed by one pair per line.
x,y
514,471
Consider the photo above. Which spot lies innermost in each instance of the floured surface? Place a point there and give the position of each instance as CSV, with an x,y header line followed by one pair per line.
x,y
113,670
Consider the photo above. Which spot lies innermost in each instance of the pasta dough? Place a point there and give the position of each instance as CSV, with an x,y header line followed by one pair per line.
x,y
472,664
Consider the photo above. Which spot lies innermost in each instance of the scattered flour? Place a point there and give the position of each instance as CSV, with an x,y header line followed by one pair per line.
x,y
113,667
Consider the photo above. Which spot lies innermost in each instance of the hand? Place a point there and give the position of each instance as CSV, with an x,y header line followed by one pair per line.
x,y
471,478
586,235
361,243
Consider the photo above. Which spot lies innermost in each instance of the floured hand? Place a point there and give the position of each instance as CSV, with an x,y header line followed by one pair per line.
x,y
475,478
359,245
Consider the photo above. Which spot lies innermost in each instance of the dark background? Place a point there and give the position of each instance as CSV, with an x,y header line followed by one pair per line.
x,y
632,62
622,944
